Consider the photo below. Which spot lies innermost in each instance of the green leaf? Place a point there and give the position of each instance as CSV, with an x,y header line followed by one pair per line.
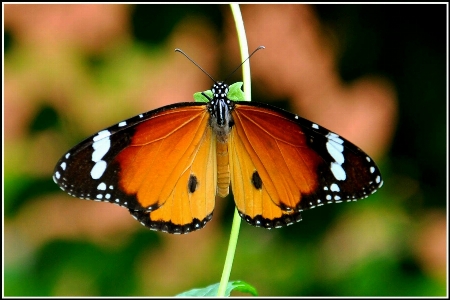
x,y
235,93
242,286
212,290
198,97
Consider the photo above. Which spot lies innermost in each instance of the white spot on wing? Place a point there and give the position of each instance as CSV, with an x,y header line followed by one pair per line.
x,y
378,179
315,126
334,187
335,149
101,147
57,175
63,165
101,135
335,138
98,169
101,186
121,124
338,171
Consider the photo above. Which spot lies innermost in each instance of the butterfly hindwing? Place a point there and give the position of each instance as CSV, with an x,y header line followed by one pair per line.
x,y
251,195
296,165
149,163
190,203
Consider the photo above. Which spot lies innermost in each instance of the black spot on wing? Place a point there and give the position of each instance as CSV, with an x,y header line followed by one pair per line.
x,y
192,183
256,180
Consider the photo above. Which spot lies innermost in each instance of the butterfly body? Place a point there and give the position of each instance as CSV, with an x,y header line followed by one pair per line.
x,y
167,165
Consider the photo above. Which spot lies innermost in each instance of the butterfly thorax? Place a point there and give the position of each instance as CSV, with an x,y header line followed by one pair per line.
x,y
220,108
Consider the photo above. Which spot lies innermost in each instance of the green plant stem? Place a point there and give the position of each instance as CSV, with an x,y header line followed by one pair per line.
x,y
243,46
230,254
247,92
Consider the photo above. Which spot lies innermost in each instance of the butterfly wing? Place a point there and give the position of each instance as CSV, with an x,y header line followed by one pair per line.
x,y
281,164
160,165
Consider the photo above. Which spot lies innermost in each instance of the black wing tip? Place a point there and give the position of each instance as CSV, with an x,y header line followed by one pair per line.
x,y
144,218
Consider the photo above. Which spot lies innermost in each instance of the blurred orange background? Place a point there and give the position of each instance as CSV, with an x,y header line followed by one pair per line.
x,y
71,70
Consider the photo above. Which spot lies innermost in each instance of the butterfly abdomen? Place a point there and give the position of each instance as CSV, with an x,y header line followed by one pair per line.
x,y
223,169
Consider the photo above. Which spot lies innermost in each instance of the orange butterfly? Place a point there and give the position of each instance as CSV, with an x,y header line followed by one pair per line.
x,y
167,165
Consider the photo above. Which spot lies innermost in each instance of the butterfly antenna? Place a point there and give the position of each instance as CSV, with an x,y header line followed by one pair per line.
x,y
181,51
259,48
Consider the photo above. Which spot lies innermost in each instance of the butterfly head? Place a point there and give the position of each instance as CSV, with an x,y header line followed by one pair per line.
x,y
220,89
220,108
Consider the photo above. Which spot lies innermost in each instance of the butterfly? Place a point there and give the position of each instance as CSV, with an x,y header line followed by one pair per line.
x,y
166,166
